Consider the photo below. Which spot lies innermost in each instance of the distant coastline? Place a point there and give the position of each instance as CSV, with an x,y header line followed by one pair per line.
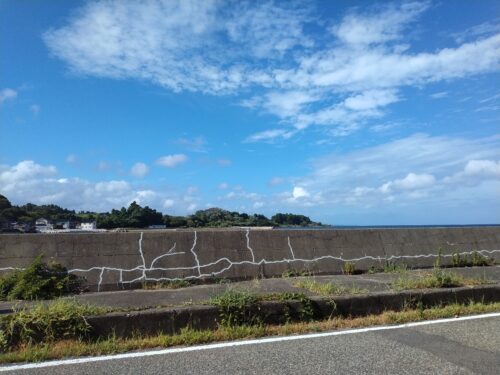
x,y
326,227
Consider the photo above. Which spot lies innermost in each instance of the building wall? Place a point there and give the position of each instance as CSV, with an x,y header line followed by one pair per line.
x,y
115,260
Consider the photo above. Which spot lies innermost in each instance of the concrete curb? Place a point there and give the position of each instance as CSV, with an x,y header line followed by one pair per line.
x,y
172,320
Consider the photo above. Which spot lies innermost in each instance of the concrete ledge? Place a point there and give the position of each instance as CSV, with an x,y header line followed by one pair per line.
x,y
172,320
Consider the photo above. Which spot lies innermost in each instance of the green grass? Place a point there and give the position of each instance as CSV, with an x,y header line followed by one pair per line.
x,y
57,349
327,289
438,278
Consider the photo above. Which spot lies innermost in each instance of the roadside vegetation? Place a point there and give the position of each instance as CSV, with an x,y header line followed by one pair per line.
x,y
437,278
327,289
58,320
238,308
39,281
73,344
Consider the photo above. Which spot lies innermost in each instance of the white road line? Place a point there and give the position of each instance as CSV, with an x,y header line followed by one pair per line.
x,y
238,343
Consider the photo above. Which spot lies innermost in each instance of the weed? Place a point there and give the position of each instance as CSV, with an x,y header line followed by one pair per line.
x,y
480,260
326,289
349,268
57,320
469,260
237,307
295,273
170,284
39,281
458,261
438,262
438,278
391,267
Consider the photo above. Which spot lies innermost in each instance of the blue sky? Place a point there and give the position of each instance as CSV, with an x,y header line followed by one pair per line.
x,y
351,112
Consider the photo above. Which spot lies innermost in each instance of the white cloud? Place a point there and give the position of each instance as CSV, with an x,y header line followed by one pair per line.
x,y
216,48
360,29
287,104
28,181
481,30
71,159
177,44
171,161
103,166
224,162
299,192
276,181
22,174
168,203
270,135
35,109
486,167
198,144
418,167
223,186
439,95
139,170
371,99
7,94
412,181
258,205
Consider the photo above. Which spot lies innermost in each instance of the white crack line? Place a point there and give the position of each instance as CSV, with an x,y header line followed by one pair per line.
x,y
248,245
100,279
142,257
168,253
231,264
290,247
194,253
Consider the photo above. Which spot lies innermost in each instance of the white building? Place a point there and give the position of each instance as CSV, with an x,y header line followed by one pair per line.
x,y
92,225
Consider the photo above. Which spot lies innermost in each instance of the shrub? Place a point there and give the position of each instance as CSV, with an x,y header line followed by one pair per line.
x,y
39,281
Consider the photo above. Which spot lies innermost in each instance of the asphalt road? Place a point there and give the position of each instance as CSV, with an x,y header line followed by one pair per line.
x,y
457,347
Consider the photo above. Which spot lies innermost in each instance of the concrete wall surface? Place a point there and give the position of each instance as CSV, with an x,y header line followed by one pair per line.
x,y
114,260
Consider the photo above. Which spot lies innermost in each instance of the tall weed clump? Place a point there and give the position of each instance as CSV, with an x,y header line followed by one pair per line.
x,y
39,281
46,322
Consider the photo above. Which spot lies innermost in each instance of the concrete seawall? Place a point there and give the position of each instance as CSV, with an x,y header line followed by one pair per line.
x,y
118,260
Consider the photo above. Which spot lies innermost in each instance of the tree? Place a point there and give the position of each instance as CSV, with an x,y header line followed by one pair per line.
x,y
4,203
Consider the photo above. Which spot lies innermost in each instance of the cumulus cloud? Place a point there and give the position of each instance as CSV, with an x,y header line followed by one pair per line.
x,y
139,170
171,161
418,167
299,192
7,94
486,167
412,181
28,181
